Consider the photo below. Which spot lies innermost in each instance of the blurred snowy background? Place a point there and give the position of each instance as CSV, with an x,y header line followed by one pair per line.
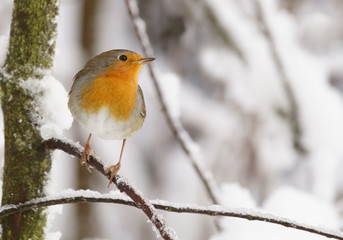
x,y
258,86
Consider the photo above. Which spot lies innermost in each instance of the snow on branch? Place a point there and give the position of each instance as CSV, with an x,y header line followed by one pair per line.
x,y
72,196
181,135
122,184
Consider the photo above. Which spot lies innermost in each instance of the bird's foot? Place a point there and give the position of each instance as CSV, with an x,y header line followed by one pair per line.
x,y
114,169
85,156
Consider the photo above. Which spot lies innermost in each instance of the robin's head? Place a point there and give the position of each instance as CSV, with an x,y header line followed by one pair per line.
x,y
117,61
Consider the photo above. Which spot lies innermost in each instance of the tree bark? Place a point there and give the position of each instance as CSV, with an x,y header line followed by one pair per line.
x,y
27,162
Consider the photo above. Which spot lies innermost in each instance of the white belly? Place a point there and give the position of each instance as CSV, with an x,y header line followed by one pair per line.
x,y
103,125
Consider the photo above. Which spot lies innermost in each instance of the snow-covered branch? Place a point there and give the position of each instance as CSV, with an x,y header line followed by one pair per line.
x,y
123,185
71,196
174,124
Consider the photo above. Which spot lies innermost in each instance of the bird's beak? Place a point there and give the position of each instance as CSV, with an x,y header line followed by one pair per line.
x,y
144,60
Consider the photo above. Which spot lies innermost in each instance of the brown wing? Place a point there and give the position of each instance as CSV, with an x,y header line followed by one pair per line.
x,y
143,112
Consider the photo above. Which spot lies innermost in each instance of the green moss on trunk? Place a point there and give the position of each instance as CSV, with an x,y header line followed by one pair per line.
x,y
27,163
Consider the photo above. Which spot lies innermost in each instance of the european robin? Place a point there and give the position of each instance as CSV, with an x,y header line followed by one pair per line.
x,y
106,100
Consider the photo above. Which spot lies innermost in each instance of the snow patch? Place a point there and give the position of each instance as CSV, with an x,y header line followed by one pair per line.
x,y
287,202
3,49
233,195
170,86
51,213
51,111
303,207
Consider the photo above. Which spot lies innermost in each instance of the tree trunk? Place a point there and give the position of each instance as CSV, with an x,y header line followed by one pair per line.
x,y
27,162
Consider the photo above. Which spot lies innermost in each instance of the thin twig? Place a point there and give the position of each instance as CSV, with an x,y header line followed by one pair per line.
x,y
8,210
249,214
221,29
175,125
122,184
293,114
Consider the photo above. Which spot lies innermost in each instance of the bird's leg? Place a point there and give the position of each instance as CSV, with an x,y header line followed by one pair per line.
x,y
86,153
114,169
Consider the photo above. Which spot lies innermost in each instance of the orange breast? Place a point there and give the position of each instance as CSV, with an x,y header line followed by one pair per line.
x,y
113,89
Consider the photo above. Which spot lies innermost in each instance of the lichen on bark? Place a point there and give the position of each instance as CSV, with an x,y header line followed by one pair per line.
x,y
27,162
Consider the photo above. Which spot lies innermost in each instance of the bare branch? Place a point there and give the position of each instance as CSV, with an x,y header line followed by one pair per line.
x,y
249,214
223,32
7,210
293,114
122,184
174,124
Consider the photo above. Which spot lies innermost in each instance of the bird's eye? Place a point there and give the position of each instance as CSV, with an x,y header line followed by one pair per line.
x,y
123,57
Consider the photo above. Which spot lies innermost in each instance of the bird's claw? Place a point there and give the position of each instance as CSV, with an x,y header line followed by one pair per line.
x,y
85,156
114,169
